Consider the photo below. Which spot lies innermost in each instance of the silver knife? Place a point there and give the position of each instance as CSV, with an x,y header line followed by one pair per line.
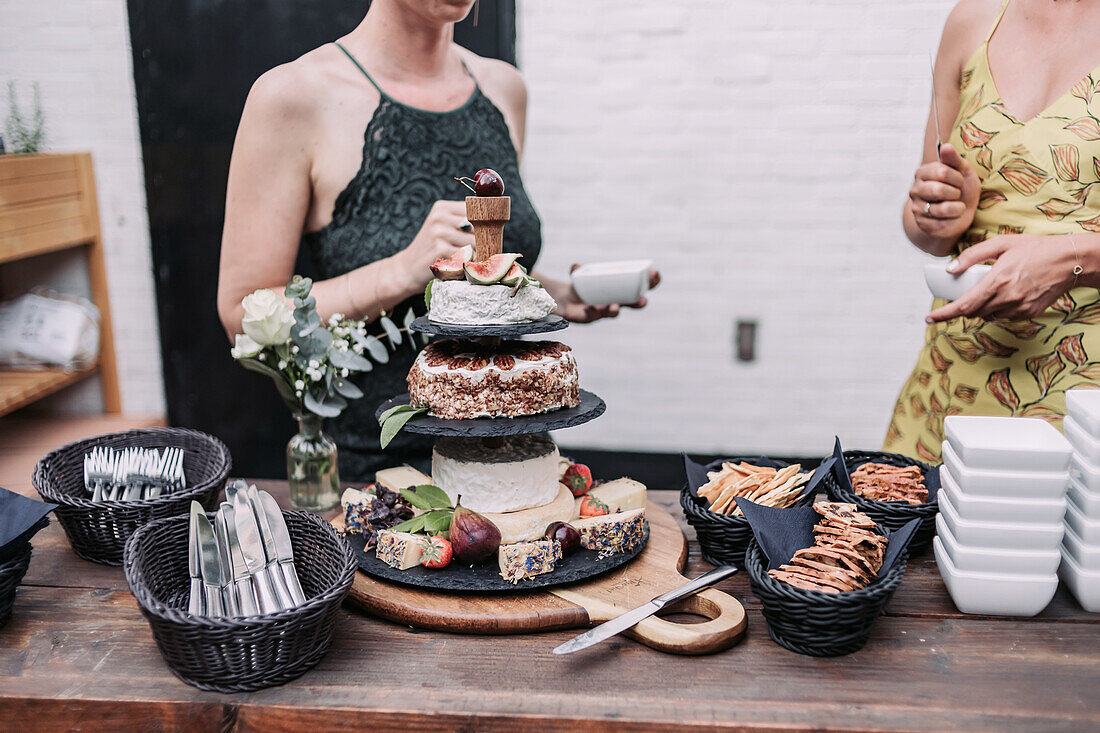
x,y
274,575
935,105
621,623
248,535
210,567
242,581
233,487
284,550
225,563
194,598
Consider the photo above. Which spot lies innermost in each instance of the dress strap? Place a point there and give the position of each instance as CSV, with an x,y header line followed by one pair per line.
x,y
1004,7
360,67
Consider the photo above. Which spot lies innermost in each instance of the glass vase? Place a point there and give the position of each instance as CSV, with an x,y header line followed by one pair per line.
x,y
311,467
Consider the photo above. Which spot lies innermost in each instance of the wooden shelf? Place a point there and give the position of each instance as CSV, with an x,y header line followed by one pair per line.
x,y
20,387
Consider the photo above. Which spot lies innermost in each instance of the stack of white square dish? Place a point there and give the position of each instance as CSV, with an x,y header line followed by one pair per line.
x,y
1081,543
1002,496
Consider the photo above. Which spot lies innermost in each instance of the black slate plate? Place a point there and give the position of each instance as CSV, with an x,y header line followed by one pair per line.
x,y
590,408
485,577
509,330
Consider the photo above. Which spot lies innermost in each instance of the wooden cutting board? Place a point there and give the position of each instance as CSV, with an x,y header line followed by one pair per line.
x,y
656,570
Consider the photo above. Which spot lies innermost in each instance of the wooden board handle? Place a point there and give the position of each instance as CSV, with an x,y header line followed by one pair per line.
x,y
725,627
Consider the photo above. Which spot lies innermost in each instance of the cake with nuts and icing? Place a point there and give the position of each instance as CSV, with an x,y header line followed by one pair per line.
x,y
462,379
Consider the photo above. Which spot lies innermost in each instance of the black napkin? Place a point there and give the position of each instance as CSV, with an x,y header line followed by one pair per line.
x,y
20,519
697,474
844,479
783,532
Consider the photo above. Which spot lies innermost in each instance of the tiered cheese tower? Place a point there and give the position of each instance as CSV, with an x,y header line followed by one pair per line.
x,y
504,467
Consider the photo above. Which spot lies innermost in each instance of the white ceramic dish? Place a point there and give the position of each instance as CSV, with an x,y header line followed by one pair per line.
x,y
985,560
1085,473
1007,443
1087,529
1084,445
994,594
1083,405
1004,484
1086,555
999,509
607,283
1084,585
1000,535
1087,502
952,287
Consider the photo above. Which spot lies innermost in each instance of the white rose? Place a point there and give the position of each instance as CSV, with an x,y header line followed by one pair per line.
x,y
267,318
245,347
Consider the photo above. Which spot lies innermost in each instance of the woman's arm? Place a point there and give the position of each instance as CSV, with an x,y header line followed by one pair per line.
x,y
268,198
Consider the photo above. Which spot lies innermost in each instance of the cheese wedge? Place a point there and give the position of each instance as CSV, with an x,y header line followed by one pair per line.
x,y
527,559
530,524
608,534
401,477
400,550
356,506
620,495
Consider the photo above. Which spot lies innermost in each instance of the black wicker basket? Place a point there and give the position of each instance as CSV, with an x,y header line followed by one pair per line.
x,y
12,571
891,514
813,622
98,530
723,538
252,652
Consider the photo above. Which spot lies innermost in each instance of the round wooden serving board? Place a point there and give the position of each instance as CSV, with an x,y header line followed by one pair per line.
x,y
656,570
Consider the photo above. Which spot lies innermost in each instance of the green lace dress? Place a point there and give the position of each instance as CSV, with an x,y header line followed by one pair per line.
x,y
410,157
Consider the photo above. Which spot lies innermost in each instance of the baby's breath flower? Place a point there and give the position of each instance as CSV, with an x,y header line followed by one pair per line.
x,y
299,386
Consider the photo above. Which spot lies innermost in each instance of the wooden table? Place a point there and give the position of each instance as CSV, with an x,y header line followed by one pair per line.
x,y
78,654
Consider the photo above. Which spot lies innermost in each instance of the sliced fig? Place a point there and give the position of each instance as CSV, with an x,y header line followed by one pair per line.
x,y
450,268
515,274
491,271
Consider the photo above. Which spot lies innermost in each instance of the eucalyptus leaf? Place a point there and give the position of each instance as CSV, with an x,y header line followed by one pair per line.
x,y
392,333
432,497
377,349
322,408
348,359
392,425
346,388
410,525
396,409
410,316
298,287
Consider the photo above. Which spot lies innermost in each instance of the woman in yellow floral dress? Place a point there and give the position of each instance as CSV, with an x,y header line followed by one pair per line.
x,y
1016,182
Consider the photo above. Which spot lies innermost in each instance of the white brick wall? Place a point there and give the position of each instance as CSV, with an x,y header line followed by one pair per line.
x,y
79,52
759,151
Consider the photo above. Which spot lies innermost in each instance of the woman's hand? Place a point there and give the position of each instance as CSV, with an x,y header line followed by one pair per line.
x,y
572,308
440,236
944,196
1030,273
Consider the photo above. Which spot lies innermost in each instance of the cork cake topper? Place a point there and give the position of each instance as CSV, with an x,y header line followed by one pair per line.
x,y
487,210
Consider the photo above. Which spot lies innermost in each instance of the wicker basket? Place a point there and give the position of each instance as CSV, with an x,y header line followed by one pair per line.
x,y
723,538
249,653
12,571
890,514
98,530
816,623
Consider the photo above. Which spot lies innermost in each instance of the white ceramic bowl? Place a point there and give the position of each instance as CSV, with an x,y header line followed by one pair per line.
x,y
607,283
999,509
1000,535
952,287
1007,443
1087,502
1004,484
1084,585
1086,555
1085,473
1087,529
986,560
994,594
1083,405
1084,445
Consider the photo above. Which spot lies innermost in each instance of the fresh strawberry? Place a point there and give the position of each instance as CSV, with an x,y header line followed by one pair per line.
x,y
593,507
437,553
578,478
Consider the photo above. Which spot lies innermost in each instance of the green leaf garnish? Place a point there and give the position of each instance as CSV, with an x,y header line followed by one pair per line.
x,y
427,496
392,424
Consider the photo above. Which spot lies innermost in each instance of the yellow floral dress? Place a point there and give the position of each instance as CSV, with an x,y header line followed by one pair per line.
x,y
1039,176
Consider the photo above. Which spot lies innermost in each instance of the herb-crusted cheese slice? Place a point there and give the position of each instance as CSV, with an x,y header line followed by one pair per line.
x,y
401,477
356,506
400,550
527,559
612,533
